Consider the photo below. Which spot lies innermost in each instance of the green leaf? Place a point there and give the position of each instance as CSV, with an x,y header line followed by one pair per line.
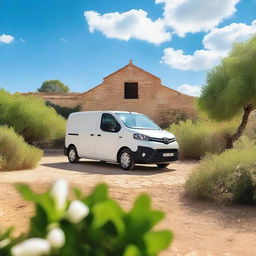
x,y
39,223
141,218
77,193
155,217
108,211
132,250
26,192
142,203
44,200
98,195
6,234
157,241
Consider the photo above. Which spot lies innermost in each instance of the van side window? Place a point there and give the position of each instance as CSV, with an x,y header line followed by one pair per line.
x,y
109,123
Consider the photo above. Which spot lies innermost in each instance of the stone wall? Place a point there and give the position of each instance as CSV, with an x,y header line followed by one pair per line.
x,y
70,99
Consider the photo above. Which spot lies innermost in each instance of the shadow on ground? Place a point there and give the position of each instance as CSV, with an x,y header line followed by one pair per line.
x,y
96,167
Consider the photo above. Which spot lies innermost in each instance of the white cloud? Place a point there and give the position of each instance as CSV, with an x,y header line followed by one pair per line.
x,y
200,60
131,24
22,40
192,90
6,39
217,45
221,39
64,40
185,16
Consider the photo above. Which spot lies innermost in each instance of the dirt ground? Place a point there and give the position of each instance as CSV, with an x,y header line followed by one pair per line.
x,y
200,228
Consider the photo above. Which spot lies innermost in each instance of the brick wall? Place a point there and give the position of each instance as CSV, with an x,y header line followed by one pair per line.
x,y
155,100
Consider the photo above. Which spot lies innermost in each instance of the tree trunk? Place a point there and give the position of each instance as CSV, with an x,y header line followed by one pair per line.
x,y
247,111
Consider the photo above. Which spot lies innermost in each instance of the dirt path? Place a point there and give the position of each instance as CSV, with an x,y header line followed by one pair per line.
x,y
200,228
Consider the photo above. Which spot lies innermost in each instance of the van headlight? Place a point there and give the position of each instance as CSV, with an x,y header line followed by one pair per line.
x,y
138,136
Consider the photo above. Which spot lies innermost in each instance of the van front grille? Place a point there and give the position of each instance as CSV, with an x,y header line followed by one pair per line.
x,y
162,140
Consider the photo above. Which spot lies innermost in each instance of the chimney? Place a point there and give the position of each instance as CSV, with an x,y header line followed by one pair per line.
x,y
130,62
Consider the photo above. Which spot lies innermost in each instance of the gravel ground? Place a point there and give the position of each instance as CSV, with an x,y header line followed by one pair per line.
x,y
200,228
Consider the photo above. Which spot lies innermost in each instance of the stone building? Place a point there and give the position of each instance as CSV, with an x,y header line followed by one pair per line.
x,y
130,89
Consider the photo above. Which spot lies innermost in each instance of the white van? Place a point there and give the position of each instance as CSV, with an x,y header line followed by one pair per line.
x,y
117,136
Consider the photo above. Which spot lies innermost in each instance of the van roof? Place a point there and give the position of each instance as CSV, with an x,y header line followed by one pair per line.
x,y
102,111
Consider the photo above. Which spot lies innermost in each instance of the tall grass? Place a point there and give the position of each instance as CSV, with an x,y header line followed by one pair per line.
x,y
230,176
15,153
202,137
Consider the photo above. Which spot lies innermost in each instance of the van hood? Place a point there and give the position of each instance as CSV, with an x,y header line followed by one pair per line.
x,y
155,133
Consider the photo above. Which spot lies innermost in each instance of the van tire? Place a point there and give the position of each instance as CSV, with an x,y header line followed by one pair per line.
x,y
72,155
126,160
162,166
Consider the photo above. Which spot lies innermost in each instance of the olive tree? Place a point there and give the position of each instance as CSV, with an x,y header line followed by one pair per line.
x,y
53,86
231,87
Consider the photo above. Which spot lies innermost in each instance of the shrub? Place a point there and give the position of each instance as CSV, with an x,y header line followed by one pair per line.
x,y
92,225
15,154
202,137
230,176
30,117
174,117
63,111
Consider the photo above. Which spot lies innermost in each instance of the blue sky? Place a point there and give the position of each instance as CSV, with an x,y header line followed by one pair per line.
x,y
79,42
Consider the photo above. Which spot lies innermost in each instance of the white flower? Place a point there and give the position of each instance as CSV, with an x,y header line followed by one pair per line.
x,y
77,211
56,238
59,192
32,247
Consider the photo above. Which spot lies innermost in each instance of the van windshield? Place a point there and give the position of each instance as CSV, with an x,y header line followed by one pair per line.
x,y
137,121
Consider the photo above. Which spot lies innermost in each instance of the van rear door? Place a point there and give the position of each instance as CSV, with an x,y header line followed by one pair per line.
x,y
106,141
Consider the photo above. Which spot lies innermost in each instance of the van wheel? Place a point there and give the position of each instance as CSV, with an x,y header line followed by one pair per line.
x,y
72,155
126,160
162,166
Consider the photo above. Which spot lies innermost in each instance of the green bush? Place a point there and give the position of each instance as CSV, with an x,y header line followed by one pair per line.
x,y
30,117
63,111
93,225
201,137
15,154
228,177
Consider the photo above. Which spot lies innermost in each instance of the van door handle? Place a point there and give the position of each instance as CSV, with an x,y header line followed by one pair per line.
x,y
92,134
120,137
99,135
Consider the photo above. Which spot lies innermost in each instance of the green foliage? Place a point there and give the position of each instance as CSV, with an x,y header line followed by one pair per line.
x,y
15,154
105,229
231,85
63,111
30,117
228,177
174,117
201,137
53,86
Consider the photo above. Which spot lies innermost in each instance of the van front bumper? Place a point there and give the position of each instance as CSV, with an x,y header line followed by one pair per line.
x,y
146,155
